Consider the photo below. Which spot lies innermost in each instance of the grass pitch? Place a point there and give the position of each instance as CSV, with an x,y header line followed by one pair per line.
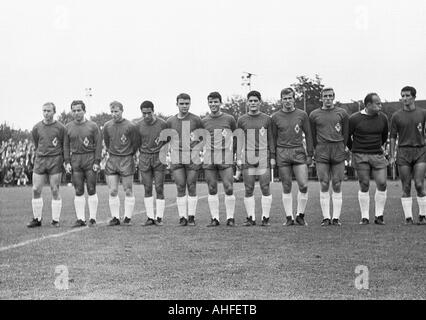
x,y
173,262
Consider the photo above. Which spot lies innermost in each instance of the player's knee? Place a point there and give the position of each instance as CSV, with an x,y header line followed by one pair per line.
x,y
91,190
364,186
265,190
113,192
55,193
181,190
129,192
79,192
382,186
419,187
36,193
212,190
286,187
192,189
249,191
303,188
159,190
228,188
337,185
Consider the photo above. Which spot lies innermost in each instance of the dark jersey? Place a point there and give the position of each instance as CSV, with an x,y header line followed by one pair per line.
x,y
261,126
289,127
221,128
149,135
121,138
48,138
329,125
82,138
367,134
409,126
190,121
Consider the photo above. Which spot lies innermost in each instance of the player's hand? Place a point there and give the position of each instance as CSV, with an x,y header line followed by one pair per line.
x,y
96,167
273,163
239,163
392,161
308,160
68,168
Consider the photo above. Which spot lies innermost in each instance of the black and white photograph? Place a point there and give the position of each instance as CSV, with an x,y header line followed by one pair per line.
x,y
212,155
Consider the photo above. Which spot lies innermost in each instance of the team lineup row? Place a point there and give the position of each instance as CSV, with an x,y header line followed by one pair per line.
x,y
288,139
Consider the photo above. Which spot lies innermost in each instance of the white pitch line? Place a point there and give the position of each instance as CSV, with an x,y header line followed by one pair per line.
x,y
57,235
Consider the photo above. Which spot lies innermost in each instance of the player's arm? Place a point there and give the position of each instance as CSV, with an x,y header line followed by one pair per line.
x,y
106,137
393,136
345,127
240,151
351,130
306,127
35,136
385,132
135,138
271,141
313,130
67,151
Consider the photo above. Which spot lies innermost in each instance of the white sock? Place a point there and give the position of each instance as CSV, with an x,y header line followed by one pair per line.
x,y
79,205
288,204
250,206
149,207
129,205
364,204
337,204
302,200
325,204
266,205
114,206
182,205
92,201
56,209
192,205
230,206
407,204
422,205
380,199
37,205
161,204
213,201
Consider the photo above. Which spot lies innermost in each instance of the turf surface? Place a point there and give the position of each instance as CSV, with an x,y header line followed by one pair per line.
x,y
173,262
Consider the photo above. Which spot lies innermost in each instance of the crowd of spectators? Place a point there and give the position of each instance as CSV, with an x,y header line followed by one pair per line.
x,y
17,161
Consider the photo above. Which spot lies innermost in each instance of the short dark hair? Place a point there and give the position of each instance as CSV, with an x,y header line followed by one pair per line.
x,y
287,91
78,102
369,98
254,93
116,104
183,96
147,104
214,95
412,90
327,89
50,104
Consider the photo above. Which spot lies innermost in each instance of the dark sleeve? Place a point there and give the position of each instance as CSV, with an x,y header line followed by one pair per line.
x,y
351,132
313,130
394,129
106,137
345,127
308,135
98,145
67,156
34,133
271,139
274,131
385,132
135,138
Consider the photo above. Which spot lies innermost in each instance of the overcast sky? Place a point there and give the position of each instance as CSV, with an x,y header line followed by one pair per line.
x,y
132,51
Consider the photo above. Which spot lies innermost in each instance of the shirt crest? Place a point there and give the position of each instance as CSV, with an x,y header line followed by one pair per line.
x,y
86,142
338,127
297,128
123,139
224,133
157,141
419,127
262,131
55,142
